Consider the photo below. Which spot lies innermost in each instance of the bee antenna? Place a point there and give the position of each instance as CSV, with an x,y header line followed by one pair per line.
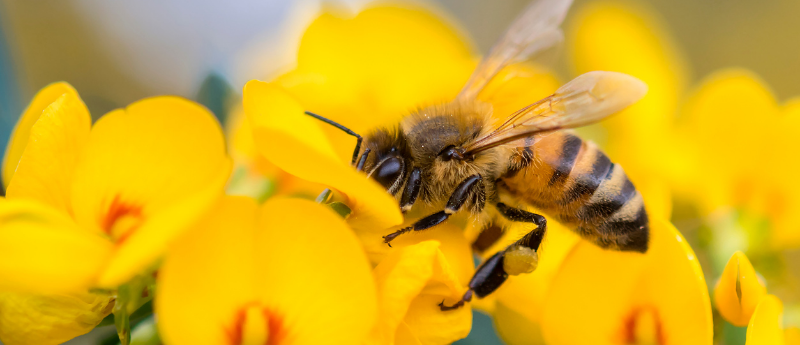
x,y
344,129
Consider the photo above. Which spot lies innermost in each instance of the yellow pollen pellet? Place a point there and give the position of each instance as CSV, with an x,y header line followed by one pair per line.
x,y
519,260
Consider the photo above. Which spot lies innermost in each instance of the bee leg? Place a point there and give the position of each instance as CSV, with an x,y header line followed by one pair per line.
x,y
533,239
411,192
520,257
472,185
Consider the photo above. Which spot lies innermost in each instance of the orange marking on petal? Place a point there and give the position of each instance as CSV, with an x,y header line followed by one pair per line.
x,y
255,325
121,220
643,326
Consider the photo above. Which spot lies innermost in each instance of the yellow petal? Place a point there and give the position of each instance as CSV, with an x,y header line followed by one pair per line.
x,y
49,319
47,164
367,70
41,250
148,172
782,194
615,295
313,276
208,275
521,299
738,291
611,36
19,138
713,125
792,336
412,281
252,172
766,326
294,142
151,238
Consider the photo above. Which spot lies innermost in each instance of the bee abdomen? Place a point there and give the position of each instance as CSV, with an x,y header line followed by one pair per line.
x,y
578,184
614,216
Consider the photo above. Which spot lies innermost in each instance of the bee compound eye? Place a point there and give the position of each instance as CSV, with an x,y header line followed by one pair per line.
x,y
388,172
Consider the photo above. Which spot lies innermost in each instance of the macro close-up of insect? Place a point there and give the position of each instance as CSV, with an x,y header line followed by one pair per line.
x,y
410,172
453,157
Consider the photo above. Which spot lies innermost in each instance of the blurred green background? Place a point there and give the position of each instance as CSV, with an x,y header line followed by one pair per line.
x,y
116,52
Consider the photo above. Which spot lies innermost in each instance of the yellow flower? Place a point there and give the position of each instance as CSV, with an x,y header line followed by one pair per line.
x,y
412,281
294,142
287,272
27,318
92,206
792,336
518,304
253,175
766,326
738,291
743,301
627,298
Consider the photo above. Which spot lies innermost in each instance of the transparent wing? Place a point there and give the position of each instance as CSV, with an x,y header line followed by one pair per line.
x,y
535,30
586,99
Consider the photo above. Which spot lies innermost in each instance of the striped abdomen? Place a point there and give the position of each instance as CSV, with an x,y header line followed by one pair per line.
x,y
573,181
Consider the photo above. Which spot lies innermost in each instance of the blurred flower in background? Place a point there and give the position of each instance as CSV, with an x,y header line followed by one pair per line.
x,y
711,147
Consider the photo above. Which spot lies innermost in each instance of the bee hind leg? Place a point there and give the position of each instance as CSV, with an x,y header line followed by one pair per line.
x,y
518,258
532,239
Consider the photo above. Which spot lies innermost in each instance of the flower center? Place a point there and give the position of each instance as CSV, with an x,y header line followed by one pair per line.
x,y
121,220
643,327
253,325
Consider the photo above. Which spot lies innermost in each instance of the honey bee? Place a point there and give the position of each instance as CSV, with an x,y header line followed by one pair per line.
x,y
454,157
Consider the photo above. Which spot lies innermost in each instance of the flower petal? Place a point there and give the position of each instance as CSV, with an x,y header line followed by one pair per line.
x,y
151,239
782,195
766,325
665,284
713,124
208,274
313,275
20,137
56,140
521,299
412,281
50,319
792,336
738,291
367,70
41,250
610,36
152,168
295,143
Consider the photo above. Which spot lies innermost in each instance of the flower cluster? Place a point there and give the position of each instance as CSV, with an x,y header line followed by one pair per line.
x,y
154,202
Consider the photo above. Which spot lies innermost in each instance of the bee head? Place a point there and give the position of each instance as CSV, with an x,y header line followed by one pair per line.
x,y
388,163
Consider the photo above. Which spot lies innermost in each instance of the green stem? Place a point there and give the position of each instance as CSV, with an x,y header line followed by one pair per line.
x,y
121,315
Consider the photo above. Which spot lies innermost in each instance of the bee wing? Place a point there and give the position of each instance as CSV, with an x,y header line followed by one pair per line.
x,y
586,99
535,30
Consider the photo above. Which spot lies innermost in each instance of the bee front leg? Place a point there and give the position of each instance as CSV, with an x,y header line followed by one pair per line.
x,y
471,186
520,257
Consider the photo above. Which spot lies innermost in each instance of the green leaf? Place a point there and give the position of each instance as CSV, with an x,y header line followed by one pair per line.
x,y
216,94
